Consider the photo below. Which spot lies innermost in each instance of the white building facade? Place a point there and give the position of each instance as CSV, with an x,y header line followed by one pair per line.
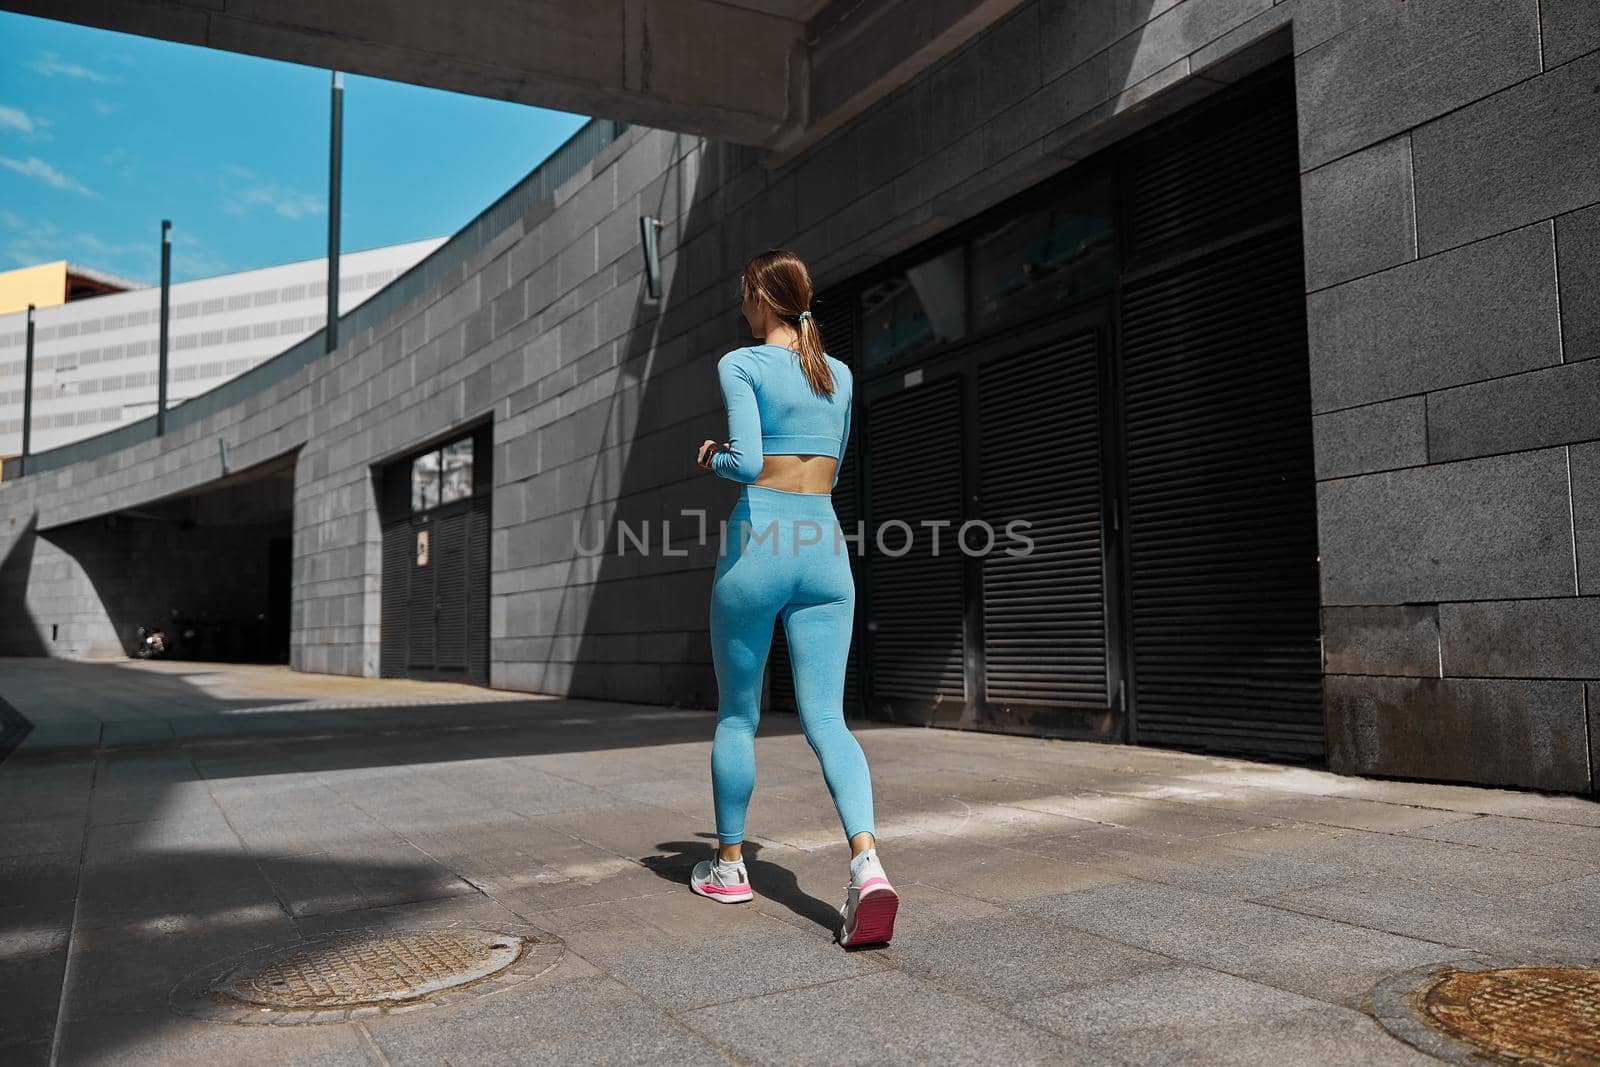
x,y
96,360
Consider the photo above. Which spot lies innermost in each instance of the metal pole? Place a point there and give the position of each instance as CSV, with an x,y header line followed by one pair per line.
x,y
336,137
27,397
166,289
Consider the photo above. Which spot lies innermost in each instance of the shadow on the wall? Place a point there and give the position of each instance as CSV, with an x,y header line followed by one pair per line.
x,y
19,634
634,622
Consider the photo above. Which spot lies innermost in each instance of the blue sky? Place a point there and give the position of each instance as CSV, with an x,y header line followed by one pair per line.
x,y
102,135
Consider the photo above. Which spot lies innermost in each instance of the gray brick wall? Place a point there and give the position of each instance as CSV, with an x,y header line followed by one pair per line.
x,y
1451,237
1450,183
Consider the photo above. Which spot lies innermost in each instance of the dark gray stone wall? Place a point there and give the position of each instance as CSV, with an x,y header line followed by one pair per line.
x,y
1452,242
1451,196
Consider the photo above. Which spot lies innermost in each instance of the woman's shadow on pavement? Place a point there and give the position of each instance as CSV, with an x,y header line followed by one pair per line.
x,y
769,880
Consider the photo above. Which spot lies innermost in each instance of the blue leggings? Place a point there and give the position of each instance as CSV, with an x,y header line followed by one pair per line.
x,y
780,558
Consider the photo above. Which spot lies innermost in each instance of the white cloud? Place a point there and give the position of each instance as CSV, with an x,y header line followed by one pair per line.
x,y
34,167
287,201
44,242
14,118
50,65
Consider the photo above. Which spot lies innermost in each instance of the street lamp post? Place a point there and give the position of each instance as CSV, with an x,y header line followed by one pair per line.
x,y
27,396
336,137
166,291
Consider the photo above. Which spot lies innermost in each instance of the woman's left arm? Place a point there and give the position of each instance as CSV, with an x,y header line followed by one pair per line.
x,y
846,389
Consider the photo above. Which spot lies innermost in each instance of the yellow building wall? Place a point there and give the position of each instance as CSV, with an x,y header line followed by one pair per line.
x,y
43,286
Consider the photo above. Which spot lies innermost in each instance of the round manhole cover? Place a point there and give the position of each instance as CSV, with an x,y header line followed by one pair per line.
x,y
343,974
366,971
1523,1013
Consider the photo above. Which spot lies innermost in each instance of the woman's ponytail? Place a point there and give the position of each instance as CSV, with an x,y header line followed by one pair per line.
x,y
782,280
812,357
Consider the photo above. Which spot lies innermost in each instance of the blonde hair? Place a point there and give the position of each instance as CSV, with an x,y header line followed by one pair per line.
x,y
778,277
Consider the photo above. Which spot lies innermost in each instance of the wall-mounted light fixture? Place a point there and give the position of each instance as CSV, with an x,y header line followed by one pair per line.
x,y
649,233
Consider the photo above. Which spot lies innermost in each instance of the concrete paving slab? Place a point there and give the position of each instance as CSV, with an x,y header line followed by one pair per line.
x,y
61,833
33,961
886,1017
130,966
1184,1015
1063,901
133,884
995,955
985,871
684,951
1560,841
595,1019
25,1053
138,1039
1408,857
1322,959
1169,994
1449,915
1576,901
38,880
1207,866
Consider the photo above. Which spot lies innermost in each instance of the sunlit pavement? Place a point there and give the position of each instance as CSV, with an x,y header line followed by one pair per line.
x,y
1061,901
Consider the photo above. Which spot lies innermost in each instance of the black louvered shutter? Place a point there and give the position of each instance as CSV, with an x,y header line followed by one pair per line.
x,y
399,547
478,551
915,628
1220,167
1044,636
1221,517
450,563
1222,537
420,627
846,506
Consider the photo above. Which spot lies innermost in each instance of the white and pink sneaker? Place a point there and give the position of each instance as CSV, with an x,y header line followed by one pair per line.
x,y
727,883
869,904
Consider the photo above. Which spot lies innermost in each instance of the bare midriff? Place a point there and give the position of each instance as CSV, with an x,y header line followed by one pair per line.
x,y
797,474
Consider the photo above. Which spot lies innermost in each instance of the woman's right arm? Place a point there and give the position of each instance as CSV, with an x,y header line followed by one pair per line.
x,y
741,461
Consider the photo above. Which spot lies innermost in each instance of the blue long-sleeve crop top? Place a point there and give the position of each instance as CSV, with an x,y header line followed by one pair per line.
x,y
772,411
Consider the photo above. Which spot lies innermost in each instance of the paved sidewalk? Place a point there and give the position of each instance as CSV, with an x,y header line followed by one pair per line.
x,y
1062,902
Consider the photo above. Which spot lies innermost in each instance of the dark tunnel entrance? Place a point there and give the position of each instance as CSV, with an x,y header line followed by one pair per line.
x,y
211,568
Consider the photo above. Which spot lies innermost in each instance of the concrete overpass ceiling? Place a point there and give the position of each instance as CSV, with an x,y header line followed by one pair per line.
x,y
778,74
260,493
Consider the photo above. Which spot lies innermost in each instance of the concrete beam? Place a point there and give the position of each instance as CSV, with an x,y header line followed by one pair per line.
x,y
692,65
860,52
754,72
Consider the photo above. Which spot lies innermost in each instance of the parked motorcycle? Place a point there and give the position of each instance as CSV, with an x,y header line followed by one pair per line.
x,y
152,644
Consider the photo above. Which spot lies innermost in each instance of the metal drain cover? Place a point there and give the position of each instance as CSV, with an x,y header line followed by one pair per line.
x,y
346,974
367,971
1524,1013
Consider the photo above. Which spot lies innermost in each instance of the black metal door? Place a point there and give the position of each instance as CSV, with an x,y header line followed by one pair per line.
x,y
422,601
1044,658
395,621
435,600
1221,516
916,626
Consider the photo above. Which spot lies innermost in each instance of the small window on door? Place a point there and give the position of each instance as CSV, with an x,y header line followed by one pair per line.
x,y
442,475
457,471
1029,264
917,310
